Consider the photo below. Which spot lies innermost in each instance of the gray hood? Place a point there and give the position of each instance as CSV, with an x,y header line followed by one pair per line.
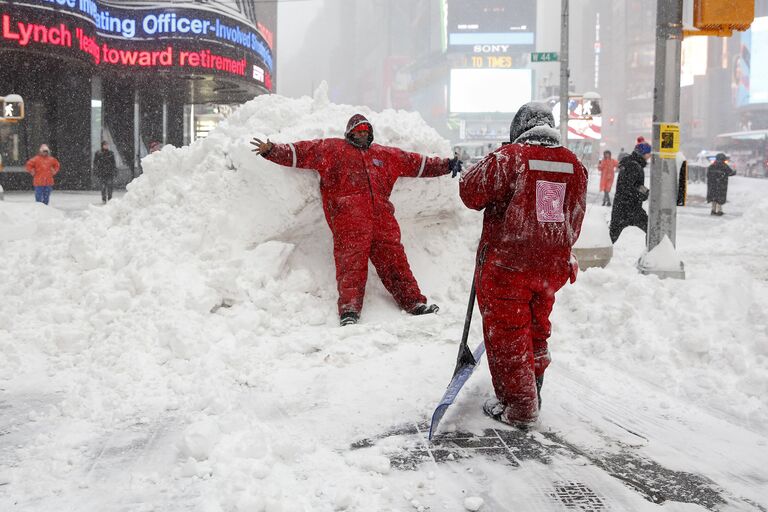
x,y
534,124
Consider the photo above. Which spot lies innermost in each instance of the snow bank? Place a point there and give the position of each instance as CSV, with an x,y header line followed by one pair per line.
x,y
662,257
594,230
24,220
178,302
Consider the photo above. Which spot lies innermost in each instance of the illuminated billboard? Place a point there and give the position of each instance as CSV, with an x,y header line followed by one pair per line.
x,y
756,41
749,78
693,59
491,26
585,116
489,90
154,37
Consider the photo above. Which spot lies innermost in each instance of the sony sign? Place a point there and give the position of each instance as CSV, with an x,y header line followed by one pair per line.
x,y
491,48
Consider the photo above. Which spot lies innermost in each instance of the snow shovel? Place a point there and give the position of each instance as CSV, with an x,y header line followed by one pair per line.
x,y
466,362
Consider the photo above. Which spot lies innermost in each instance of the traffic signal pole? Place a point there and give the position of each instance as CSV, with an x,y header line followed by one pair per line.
x,y
662,218
564,74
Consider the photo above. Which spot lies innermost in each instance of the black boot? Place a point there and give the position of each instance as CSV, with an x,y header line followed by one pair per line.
x,y
349,318
423,309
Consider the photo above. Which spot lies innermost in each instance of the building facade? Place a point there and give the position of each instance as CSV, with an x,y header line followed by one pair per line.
x,y
131,73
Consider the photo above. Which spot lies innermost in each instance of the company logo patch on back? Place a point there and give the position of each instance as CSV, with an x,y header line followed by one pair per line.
x,y
377,162
550,201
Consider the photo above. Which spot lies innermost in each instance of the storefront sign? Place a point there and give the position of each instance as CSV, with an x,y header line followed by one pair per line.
x,y
169,39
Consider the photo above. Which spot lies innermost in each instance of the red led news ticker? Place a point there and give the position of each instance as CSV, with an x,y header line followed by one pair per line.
x,y
24,34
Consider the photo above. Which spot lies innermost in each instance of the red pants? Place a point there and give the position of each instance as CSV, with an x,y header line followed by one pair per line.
x,y
515,306
351,251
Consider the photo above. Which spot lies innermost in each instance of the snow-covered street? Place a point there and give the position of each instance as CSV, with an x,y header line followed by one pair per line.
x,y
178,350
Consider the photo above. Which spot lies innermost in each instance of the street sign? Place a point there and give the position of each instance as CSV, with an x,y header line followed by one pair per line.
x,y
544,57
669,140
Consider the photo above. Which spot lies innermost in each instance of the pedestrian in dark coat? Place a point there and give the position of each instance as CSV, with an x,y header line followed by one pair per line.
x,y
105,169
630,192
717,183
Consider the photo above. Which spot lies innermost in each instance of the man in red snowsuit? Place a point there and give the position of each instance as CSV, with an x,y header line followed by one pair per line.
x,y
533,192
356,179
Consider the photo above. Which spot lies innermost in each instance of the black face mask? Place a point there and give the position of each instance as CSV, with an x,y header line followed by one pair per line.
x,y
365,144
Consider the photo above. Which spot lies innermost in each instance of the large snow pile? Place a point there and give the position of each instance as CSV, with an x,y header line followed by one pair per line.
x,y
179,349
26,220
110,316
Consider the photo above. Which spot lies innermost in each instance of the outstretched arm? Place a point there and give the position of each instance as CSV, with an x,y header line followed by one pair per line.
x,y
485,183
414,165
301,155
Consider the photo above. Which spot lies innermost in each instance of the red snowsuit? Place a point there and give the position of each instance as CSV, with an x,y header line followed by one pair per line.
x,y
534,198
607,168
355,184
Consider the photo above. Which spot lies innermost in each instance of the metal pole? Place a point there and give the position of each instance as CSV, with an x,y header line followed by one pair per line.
x,y
564,74
136,133
165,120
662,219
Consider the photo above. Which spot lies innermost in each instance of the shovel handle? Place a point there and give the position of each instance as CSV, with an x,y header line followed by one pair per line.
x,y
465,356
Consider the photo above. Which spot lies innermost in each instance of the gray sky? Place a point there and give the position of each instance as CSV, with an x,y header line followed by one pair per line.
x,y
297,58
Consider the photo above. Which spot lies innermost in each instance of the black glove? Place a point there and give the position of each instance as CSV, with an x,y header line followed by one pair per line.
x,y
454,165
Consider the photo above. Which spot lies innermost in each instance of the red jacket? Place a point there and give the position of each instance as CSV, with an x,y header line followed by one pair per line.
x,y
358,180
534,198
43,169
607,172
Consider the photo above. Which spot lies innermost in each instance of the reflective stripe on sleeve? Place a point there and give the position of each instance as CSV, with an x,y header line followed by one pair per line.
x,y
547,166
423,165
293,154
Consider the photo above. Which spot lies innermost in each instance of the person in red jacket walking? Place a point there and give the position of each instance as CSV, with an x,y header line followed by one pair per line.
x,y
533,193
356,180
607,167
43,167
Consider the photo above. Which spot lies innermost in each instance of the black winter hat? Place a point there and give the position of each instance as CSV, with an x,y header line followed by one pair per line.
x,y
721,157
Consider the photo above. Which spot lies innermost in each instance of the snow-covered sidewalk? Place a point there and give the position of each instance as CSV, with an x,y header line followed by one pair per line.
x,y
178,349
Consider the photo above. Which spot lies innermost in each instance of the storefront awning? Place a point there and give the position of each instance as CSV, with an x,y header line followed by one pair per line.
x,y
745,135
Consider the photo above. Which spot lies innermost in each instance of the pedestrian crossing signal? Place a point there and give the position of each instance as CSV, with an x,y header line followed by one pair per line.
x,y
723,17
11,107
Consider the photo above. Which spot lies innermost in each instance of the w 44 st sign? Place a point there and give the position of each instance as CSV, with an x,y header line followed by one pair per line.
x,y
544,57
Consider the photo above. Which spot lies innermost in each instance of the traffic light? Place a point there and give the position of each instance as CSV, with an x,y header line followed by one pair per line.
x,y
722,17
